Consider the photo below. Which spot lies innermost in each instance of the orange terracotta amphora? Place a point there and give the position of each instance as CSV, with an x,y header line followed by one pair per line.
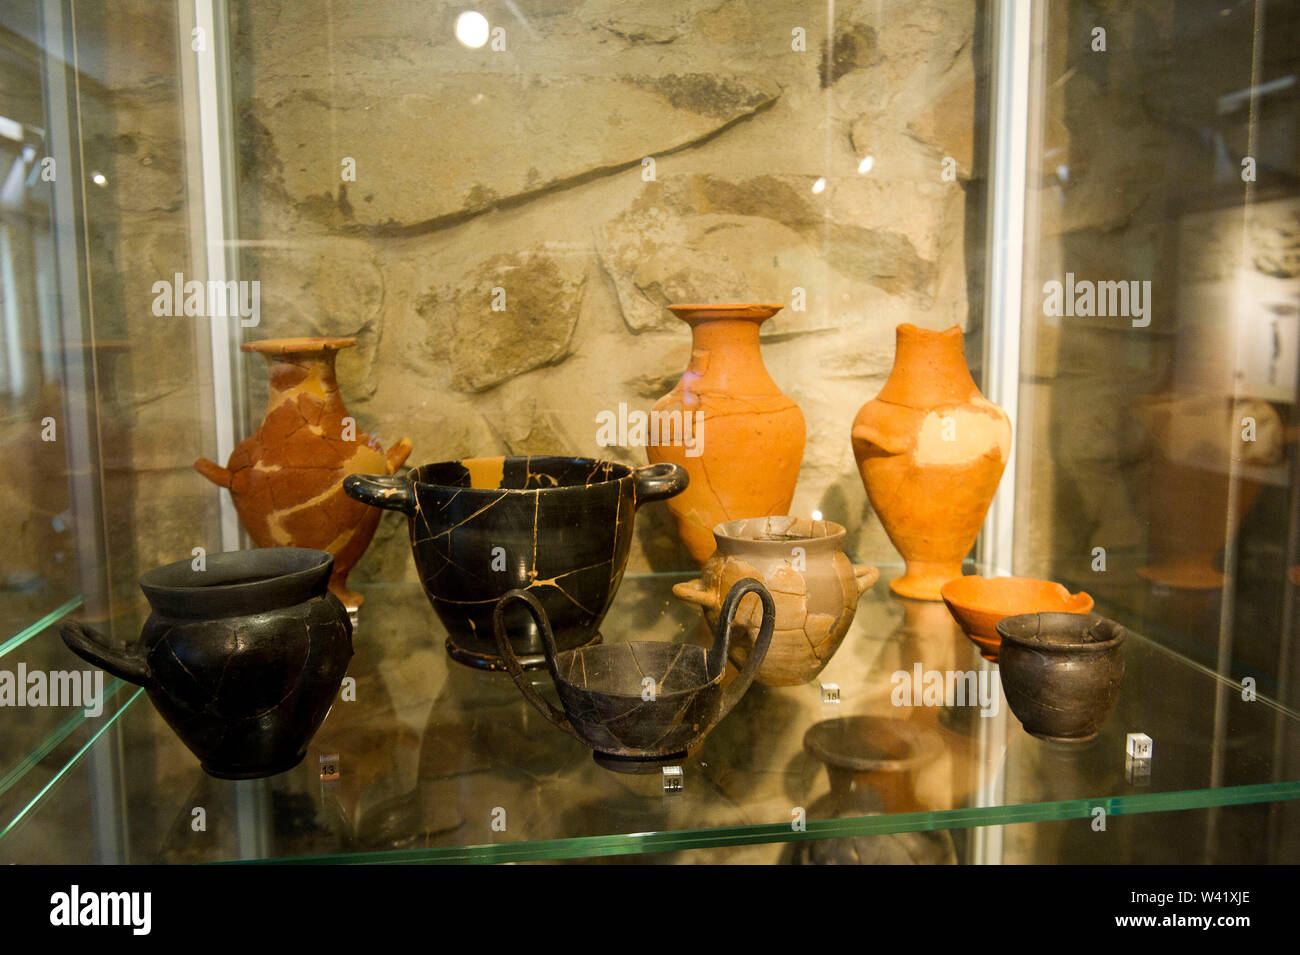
x,y
931,451
287,477
748,437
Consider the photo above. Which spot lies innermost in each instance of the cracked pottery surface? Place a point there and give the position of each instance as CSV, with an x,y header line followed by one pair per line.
x,y
242,659
286,478
558,527
753,435
640,703
815,587
931,451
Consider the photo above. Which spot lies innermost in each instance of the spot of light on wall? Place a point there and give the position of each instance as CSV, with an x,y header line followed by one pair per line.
x,y
472,29
819,186
866,164
816,515
99,179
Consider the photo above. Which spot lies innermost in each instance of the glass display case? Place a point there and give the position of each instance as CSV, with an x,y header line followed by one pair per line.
x,y
874,298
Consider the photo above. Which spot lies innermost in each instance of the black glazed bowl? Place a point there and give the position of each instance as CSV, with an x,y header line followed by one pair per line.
x,y
1061,672
242,658
558,527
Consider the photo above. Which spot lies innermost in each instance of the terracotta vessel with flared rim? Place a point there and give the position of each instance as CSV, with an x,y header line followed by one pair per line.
x,y
287,477
728,424
558,527
815,586
978,603
931,451
1061,672
642,703
242,658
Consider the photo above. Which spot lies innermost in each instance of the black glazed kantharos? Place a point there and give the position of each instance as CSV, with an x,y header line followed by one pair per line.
x,y
242,656
558,527
643,703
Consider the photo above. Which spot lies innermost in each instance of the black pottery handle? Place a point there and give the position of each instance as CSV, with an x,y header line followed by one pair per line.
x,y
392,492
721,642
117,658
538,613
656,482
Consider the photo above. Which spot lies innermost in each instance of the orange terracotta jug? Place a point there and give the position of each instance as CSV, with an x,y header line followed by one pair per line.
x,y
287,477
931,451
748,437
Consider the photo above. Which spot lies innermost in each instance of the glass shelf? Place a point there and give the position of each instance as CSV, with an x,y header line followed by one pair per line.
x,y
431,753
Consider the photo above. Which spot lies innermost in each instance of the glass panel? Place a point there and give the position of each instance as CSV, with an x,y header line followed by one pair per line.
x,y
38,567
498,208
1162,337
427,780
103,400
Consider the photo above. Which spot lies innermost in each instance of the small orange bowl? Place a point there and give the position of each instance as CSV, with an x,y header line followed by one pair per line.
x,y
978,603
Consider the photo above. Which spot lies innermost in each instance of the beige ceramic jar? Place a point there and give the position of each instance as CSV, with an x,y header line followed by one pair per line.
x,y
815,586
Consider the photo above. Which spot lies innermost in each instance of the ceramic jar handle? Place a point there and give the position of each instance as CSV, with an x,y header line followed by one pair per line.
x,y
117,658
516,672
695,592
865,576
656,482
393,492
717,661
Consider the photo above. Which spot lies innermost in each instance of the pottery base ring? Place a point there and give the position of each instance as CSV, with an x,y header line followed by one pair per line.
x,y
636,765
269,771
493,661
1070,741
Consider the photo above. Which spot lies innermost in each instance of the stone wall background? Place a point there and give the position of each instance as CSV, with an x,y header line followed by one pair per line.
x,y
523,169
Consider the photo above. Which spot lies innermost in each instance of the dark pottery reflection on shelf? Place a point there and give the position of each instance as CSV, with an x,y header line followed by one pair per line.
x,y
872,762
1061,672
879,754
242,659
889,848
480,724
558,527
643,703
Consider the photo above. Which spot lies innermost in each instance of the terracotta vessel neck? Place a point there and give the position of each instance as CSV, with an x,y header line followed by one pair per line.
x,y
929,369
300,365
729,330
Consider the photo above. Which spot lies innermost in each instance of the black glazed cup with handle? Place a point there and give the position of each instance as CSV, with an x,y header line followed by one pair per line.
x,y
642,703
242,655
559,527
1061,672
